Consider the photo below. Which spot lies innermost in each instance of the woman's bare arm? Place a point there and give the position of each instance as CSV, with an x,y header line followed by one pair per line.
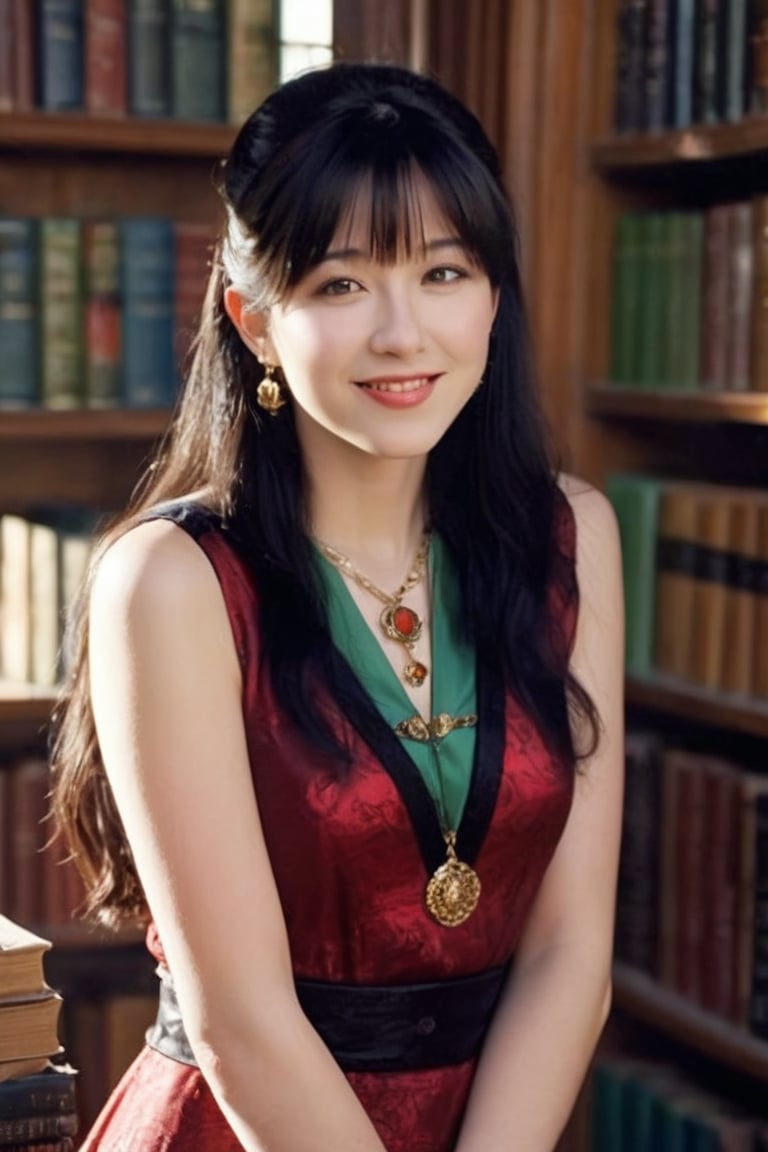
x,y
166,694
553,1010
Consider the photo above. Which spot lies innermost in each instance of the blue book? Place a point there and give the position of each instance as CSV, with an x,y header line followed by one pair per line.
x,y
147,260
197,60
19,380
148,25
60,43
682,55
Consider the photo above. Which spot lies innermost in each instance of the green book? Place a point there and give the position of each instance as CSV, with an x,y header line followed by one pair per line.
x,y
635,500
625,300
653,274
61,313
690,326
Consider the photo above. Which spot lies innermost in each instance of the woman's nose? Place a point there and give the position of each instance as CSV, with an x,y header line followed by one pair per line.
x,y
397,328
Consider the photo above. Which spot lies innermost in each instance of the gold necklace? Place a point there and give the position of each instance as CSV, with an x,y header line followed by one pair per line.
x,y
397,621
453,889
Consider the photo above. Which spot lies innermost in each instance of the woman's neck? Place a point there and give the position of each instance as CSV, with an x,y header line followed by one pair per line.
x,y
372,510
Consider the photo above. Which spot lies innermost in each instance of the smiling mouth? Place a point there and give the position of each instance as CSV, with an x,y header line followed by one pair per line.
x,y
397,385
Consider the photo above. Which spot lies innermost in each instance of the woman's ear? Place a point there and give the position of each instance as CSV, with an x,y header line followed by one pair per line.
x,y
251,324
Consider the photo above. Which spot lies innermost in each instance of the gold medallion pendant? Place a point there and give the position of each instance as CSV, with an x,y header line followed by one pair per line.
x,y
453,891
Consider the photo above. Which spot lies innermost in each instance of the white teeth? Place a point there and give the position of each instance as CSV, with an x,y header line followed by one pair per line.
x,y
398,385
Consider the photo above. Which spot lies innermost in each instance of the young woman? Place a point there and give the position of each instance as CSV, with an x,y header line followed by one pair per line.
x,y
344,729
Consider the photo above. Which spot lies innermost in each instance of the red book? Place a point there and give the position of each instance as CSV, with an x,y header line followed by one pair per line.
x,y
759,314
30,784
720,881
689,861
105,58
193,258
103,314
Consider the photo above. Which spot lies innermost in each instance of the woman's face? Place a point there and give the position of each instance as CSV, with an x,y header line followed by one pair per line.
x,y
383,357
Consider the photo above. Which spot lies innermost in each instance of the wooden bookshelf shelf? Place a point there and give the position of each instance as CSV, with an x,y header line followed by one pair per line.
x,y
694,407
112,424
24,714
641,997
695,145
64,132
717,709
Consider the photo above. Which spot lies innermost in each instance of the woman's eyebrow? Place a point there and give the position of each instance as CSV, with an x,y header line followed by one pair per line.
x,y
359,254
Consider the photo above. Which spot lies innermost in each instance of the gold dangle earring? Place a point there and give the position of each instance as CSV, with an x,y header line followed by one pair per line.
x,y
269,394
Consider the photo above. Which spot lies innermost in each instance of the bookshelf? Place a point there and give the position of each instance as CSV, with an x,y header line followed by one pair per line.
x,y
73,165
687,434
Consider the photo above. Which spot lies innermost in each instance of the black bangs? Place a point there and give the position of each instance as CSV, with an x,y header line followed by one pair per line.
x,y
371,163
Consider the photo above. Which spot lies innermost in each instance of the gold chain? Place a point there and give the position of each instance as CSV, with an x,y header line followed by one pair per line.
x,y
345,565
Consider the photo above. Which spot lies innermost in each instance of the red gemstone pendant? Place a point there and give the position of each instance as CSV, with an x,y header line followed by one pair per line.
x,y
401,624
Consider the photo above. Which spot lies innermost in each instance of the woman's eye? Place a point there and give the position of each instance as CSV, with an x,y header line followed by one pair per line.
x,y
445,275
341,287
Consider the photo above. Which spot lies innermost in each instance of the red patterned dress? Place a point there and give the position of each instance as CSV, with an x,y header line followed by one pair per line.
x,y
352,853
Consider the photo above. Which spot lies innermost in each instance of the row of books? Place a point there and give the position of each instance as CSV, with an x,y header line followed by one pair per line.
x,y
180,59
39,885
682,62
692,907
98,313
38,1104
695,562
43,559
640,1106
688,308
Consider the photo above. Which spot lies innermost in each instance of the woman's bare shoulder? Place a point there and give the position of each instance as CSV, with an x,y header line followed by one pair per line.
x,y
593,512
154,566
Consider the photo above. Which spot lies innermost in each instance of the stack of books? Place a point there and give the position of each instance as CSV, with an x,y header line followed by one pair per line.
x,y
37,1097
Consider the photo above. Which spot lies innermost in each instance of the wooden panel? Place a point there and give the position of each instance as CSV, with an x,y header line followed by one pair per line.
x,y
40,185
370,30
65,133
101,474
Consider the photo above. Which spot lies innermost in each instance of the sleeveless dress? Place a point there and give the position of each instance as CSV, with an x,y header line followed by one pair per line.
x,y
352,851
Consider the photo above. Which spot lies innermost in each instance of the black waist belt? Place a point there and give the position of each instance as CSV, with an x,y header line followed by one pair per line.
x,y
373,1028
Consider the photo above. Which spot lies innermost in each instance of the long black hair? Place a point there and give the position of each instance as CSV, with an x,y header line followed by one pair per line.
x,y
297,167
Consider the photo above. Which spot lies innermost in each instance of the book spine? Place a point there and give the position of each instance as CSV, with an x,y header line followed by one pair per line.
x,y
719,885
29,791
61,320
49,1093
625,299
654,285
60,53
683,64
758,56
251,56
733,101
25,76
689,338
197,60
656,65
758,1008
148,264
736,672
103,313
705,78
193,252
105,59
758,307
630,41
742,279
19,381
712,558
26,1129
148,58
716,299
760,588
689,862
635,501
7,78
15,636
675,575
637,902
